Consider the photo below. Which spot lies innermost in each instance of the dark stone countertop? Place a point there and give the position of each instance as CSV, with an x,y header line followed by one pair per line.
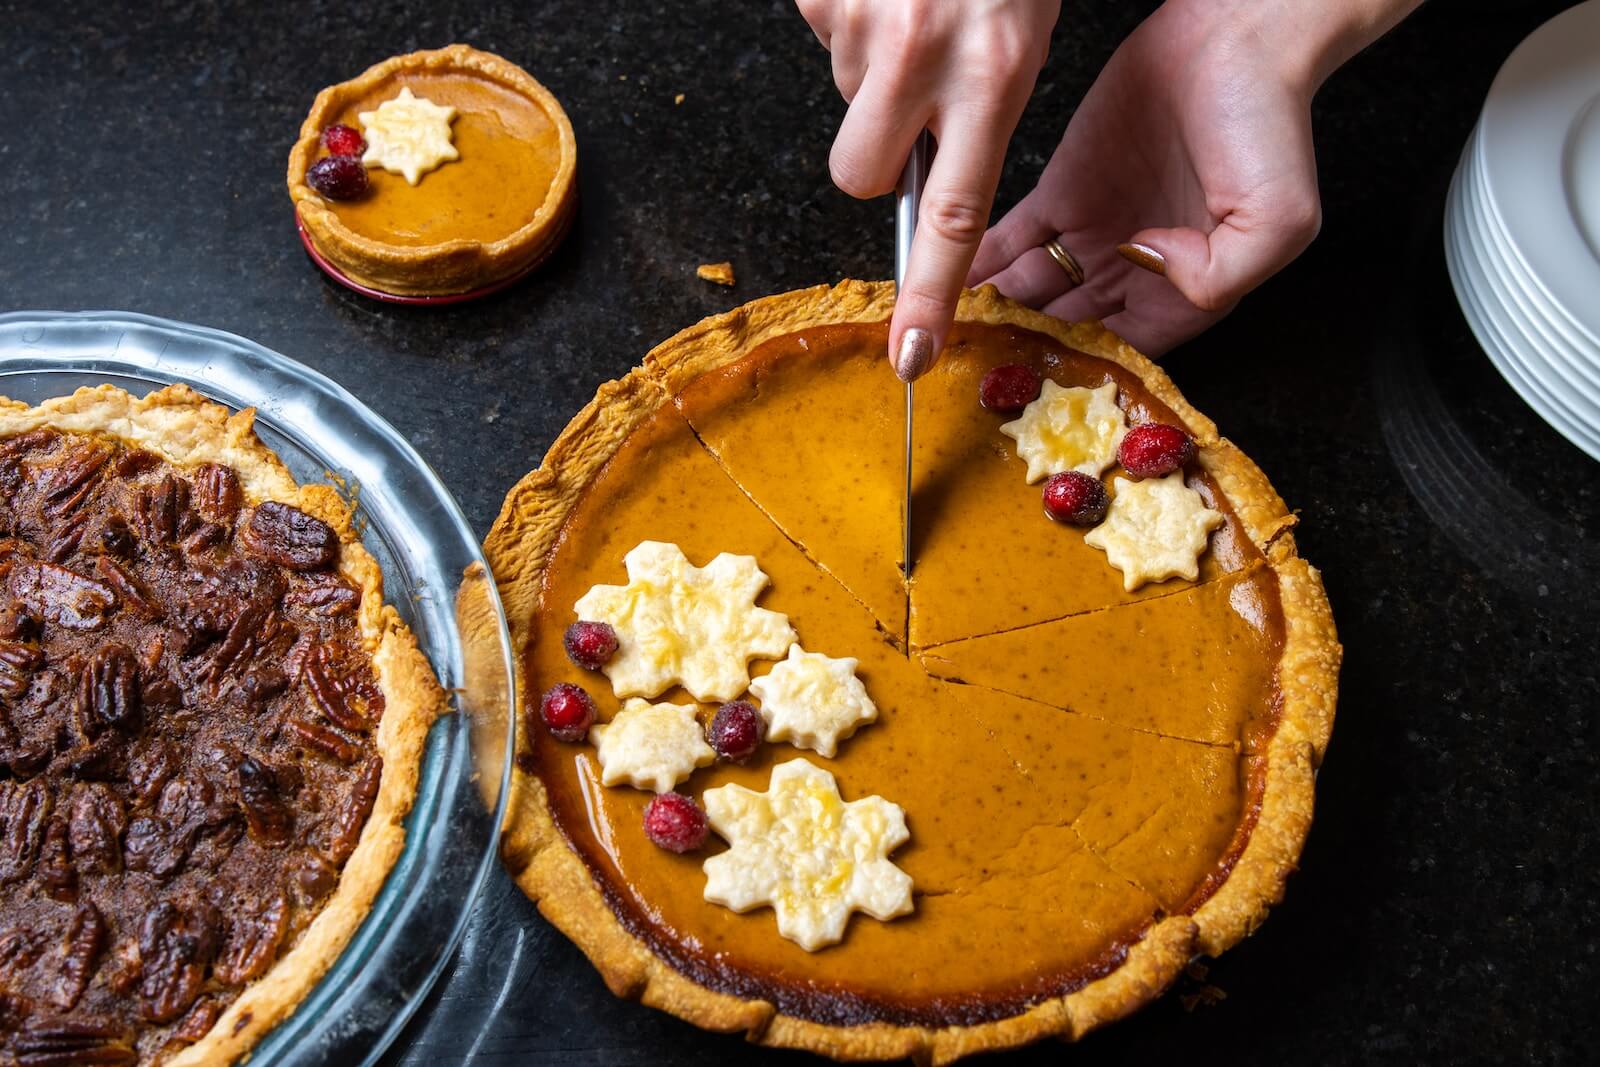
x,y
1448,906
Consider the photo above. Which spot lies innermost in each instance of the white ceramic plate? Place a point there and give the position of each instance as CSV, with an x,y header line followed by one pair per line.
x,y
1540,136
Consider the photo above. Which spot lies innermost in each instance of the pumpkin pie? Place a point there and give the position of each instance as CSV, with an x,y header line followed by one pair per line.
x,y
1081,785
211,727
489,197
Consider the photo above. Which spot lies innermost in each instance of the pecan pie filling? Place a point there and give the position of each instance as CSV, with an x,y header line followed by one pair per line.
x,y
187,755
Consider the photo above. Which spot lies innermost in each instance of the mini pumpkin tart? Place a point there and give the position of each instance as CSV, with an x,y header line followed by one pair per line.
x,y
211,726
1008,799
458,173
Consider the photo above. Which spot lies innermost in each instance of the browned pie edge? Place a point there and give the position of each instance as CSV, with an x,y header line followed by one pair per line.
x,y
526,532
453,266
185,429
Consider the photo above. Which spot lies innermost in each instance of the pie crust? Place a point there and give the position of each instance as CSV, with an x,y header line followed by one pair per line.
x,y
456,265
524,540
186,430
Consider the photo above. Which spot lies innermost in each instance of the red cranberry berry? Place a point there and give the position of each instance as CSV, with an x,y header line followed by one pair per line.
x,y
338,177
737,731
590,644
567,711
1153,449
342,140
675,822
1074,497
1009,389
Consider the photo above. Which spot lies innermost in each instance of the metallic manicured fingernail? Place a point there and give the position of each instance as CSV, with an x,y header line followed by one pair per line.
x,y
915,355
1145,257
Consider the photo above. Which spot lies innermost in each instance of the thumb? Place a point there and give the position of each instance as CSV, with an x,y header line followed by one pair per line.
x,y
1215,270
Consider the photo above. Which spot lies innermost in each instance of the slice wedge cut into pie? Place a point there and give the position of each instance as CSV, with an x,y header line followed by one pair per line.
x,y
210,731
1054,771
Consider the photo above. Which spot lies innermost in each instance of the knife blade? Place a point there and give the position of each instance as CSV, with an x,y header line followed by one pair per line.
x,y
907,199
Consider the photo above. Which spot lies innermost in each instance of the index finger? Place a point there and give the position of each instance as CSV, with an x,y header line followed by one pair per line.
x,y
951,221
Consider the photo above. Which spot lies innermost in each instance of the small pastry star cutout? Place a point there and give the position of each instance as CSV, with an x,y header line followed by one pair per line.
x,y
650,746
1156,529
408,135
1069,429
813,701
802,849
678,624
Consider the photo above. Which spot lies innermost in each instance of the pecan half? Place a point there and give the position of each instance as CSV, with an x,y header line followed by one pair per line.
x,y
17,662
66,485
255,930
198,1023
217,494
290,538
346,699
353,810
176,946
130,591
159,511
56,872
325,739
325,599
95,823
77,1042
85,940
269,818
60,595
24,814
108,689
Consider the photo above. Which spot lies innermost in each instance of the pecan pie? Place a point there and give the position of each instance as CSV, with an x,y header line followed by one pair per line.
x,y
1081,756
210,727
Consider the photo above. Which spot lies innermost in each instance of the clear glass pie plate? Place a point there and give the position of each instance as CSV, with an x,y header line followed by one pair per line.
x,y
434,575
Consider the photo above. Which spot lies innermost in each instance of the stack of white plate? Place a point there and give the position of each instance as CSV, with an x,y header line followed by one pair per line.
x,y
1522,224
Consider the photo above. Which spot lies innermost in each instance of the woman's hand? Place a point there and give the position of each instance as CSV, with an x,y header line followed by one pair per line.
x,y
1190,158
962,70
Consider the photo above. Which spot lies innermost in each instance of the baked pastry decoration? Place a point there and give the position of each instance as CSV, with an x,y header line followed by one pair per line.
x,y
1123,769
210,724
457,173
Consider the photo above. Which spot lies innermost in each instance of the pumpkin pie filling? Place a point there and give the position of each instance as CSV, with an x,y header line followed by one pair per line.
x,y
510,152
1044,842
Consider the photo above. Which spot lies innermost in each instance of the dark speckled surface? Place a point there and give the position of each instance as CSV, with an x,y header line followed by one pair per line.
x,y
1448,908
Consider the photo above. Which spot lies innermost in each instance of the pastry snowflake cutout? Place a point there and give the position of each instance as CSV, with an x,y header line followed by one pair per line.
x,y
1156,529
650,746
800,848
1069,429
408,135
678,624
813,701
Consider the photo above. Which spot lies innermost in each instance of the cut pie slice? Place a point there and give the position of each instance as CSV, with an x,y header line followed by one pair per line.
x,y
1160,679
1015,568
823,402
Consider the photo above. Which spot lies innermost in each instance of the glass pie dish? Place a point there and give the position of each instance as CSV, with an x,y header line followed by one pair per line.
x,y
434,576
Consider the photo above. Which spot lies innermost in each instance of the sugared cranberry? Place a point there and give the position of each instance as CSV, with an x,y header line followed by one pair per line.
x,y
737,731
338,177
342,140
1154,449
590,644
1074,497
675,822
1009,389
567,712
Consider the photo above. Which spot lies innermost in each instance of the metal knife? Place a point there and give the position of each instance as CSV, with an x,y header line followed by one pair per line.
x,y
907,199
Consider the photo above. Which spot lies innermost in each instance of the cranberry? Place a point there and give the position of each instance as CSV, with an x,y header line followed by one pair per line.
x,y
338,177
1074,497
590,644
1154,449
1009,389
675,822
342,140
737,731
567,711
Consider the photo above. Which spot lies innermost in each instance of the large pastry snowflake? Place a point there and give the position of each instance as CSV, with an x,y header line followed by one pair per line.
x,y
678,624
1069,429
1156,529
408,135
800,848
